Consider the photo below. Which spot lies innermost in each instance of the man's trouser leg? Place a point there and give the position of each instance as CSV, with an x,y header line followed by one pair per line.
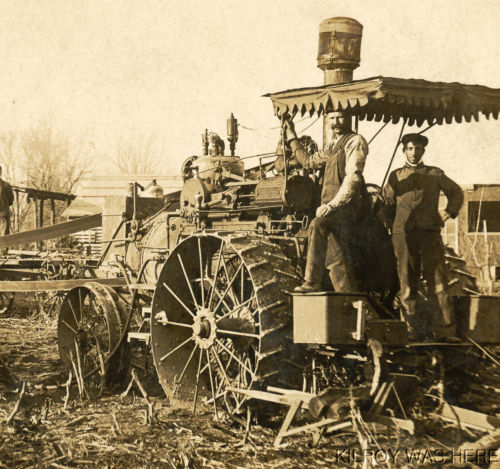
x,y
340,264
434,273
4,230
316,250
336,224
4,225
408,264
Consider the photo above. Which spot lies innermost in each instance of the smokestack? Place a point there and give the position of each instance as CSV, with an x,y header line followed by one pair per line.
x,y
338,53
339,48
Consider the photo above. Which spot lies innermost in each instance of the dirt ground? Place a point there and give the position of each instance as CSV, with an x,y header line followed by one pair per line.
x,y
113,431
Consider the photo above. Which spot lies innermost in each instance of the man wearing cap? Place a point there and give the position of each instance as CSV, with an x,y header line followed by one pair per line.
x,y
342,199
412,194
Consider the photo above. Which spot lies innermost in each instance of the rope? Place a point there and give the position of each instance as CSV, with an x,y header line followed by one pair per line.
x,y
268,128
310,125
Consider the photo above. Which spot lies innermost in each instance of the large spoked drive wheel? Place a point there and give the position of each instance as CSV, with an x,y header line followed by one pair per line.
x,y
89,330
220,319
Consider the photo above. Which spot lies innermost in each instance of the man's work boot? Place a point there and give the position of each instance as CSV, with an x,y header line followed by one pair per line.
x,y
447,333
415,330
414,335
308,287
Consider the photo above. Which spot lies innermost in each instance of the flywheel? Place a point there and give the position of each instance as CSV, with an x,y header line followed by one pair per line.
x,y
89,332
221,319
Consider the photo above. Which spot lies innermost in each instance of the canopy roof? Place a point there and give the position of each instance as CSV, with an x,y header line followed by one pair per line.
x,y
390,99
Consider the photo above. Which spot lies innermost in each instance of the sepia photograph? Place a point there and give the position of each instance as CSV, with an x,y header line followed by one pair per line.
x,y
259,234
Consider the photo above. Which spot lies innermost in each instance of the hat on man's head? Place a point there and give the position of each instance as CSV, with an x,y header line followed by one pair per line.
x,y
415,138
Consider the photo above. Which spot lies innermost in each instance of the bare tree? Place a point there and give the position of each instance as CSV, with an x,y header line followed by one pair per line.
x,y
139,154
50,161
10,156
41,158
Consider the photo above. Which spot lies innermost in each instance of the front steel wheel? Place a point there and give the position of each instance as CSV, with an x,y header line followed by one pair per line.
x,y
220,319
89,332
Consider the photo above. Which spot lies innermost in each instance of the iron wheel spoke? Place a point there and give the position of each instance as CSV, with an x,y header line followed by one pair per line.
x,y
77,322
226,271
228,287
178,299
235,357
202,282
69,327
175,349
212,383
228,381
233,394
178,324
240,334
188,282
219,295
80,301
197,382
217,359
213,286
228,313
183,372
242,289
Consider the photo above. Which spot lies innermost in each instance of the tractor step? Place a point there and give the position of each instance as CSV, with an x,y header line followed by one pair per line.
x,y
139,336
142,286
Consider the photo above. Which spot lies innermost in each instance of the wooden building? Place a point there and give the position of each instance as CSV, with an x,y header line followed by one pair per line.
x,y
475,233
91,193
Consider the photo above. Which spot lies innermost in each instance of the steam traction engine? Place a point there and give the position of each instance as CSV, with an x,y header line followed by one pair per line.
x,y
208,271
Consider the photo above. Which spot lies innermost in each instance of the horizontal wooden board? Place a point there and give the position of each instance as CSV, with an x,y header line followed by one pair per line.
x,y
53,231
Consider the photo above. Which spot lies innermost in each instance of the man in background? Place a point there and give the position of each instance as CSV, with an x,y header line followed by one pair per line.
x,y
412,195
6,200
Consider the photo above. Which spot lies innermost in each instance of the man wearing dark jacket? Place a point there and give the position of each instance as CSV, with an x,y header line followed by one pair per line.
x,y
412,194
343,160
6,200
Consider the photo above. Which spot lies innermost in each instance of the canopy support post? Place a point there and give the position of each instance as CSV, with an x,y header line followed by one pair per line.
x,y
394,153
378,131
427,128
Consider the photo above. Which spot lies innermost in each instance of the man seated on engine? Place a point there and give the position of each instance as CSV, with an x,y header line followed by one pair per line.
x,y
342,201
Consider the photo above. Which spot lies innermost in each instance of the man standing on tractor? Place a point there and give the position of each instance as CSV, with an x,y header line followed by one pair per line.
x,y
412,195
342,202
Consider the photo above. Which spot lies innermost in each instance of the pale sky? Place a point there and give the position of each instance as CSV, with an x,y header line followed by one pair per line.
x,y
104,69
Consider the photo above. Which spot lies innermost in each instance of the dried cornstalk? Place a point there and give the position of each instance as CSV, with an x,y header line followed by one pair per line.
x,y
77,376
68,387
115,423
17,404
80,373
46,409
149,417
102,366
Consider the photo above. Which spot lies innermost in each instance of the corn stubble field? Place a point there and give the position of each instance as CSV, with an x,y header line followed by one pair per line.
x,y
43,425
